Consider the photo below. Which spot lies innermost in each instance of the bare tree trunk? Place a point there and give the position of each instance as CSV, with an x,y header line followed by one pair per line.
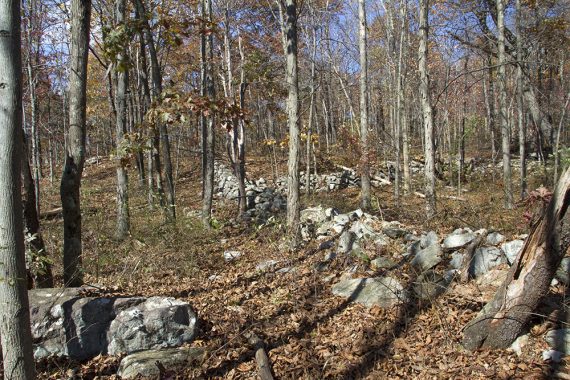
x,y
163,174
427,110
520,103
365,159
123,219
312,110
75,143
15,333
293,206
528,280
208,142
505,130
43,274
461,152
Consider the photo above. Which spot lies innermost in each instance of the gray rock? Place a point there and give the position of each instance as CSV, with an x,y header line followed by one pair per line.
x,y
331,212
362,230
382,263
559,340
512,249
64,323
456,261
341,219
459,238
518,344
394,232
563,271
494,238
430,285
345,242
157,322
381,240
314,215
144,363
428,258
381,291
413,248
428,239
266,265
327,244
324,228
231,255
484,259
553,356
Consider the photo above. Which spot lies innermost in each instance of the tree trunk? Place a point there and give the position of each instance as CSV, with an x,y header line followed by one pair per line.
x,y
163,174
122,72
15,333
208,141
520,103
528,280
365,158
43,275
427,110
75,143
293,206
502,87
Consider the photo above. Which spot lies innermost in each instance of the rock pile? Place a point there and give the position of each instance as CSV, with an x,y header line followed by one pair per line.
x,y
261,199
436,261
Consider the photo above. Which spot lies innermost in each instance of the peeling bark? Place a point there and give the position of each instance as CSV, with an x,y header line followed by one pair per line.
x,y
505,317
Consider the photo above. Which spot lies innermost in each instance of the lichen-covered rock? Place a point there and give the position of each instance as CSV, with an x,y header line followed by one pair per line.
x,y
428,257
64,322
143,364
484,259
512,249
381,291
459,238
156,322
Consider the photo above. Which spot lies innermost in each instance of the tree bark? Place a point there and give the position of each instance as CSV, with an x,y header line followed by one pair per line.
x,y
528,280
502,88
293,206
43,274
365,159
427,110
520,103
75,143
208,137
162,160
15,333
122,75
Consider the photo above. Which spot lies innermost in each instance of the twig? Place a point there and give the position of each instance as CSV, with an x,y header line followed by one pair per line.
x,y
263,363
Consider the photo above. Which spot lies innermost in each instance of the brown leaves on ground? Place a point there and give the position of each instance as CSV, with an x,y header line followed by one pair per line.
x,y
308,332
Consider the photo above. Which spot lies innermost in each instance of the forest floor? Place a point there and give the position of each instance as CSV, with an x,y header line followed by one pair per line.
x,y
309,332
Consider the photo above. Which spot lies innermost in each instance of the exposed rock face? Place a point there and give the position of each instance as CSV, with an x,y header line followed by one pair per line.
x,y
64,323
381,291
144,363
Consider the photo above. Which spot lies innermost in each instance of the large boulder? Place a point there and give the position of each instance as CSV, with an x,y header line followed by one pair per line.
x,y
381,291
66,323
